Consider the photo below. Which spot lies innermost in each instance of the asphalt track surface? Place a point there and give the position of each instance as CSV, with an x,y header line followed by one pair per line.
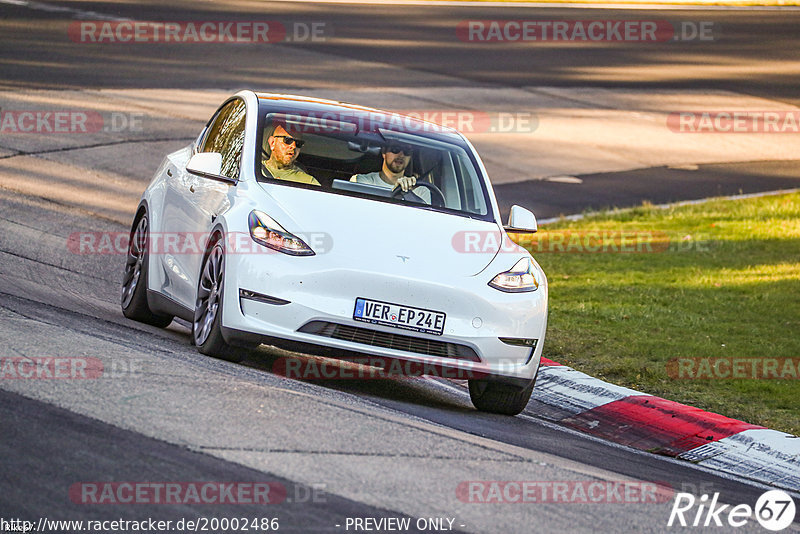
x,y
380,448
658,185
418,38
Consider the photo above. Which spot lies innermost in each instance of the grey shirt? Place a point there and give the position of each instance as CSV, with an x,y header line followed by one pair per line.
x,y
374,178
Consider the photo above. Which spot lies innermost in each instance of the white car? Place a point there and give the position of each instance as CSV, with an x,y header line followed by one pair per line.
x,y
333,265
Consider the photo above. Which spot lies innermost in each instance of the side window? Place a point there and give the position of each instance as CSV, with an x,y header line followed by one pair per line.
x,y
226,136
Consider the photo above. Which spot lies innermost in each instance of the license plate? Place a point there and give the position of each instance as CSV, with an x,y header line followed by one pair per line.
x,y
399,316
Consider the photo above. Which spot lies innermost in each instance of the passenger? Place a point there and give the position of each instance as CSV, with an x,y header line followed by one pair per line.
x,y
284,149
396,157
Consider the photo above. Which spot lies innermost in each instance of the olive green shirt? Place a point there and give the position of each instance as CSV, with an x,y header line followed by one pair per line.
x,y
291,174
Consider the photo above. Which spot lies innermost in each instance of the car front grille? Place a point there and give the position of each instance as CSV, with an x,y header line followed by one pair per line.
x,y
388,340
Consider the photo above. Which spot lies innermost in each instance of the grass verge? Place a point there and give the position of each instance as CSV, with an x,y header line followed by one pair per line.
x,y
632,3
632,290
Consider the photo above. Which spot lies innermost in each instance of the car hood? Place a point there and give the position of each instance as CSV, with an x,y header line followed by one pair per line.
x,y
394,239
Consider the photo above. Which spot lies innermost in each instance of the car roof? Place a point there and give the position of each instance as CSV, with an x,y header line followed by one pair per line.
x,y
284,103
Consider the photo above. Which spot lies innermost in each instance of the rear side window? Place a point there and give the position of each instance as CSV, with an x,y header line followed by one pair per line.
x,y
226,136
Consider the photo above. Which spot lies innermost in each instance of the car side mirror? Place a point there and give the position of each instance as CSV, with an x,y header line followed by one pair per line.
x,y
208,165
521,221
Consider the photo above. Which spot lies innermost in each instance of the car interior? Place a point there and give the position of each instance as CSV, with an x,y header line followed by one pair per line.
x,y
334,157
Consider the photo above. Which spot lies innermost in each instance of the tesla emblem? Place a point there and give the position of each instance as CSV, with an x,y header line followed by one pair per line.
x,y
404,258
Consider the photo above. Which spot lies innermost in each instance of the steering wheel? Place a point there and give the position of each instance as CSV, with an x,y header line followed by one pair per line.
x,y
437,197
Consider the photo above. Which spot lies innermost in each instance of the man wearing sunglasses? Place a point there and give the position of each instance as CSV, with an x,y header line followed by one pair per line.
x,y
284,149
396,157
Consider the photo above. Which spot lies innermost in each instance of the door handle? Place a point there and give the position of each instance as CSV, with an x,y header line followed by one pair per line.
x,y
191,188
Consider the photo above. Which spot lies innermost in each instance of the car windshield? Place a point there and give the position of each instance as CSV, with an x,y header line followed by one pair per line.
x,y
350,157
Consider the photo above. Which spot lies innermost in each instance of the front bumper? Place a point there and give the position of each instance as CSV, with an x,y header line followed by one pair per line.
x,y
314,306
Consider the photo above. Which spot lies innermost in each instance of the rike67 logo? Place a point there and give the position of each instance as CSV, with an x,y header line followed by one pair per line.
x,y
774,510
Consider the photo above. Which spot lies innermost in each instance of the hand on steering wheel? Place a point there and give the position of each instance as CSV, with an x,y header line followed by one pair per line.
x,y
437,197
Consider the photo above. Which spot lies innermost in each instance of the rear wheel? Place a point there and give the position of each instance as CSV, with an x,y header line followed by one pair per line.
x,y
495,396
134,278
206,327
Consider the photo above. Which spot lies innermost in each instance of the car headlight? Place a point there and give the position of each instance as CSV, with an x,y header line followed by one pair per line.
x,y
266,231
521,277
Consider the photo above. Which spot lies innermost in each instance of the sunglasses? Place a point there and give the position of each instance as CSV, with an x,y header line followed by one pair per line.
x,y
287,140
400,149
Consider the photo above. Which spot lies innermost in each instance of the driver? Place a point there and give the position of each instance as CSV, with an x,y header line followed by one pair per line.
x,y
396,157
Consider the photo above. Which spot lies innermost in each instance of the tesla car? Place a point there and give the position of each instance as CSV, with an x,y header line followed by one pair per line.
x,y
302,252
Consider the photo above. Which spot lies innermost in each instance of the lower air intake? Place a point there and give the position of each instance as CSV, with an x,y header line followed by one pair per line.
x,y
375,338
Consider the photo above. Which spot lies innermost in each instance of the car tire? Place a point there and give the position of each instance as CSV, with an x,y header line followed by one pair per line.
x,y
495,396
206,326
133,297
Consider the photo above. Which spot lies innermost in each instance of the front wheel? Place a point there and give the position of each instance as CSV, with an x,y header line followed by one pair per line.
x,y
498,397
206,327
134,279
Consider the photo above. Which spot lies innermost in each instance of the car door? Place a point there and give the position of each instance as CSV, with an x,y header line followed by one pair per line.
x,y
193,203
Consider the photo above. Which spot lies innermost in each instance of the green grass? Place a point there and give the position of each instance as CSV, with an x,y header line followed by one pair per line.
x,y
723,280
673,2
676,2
